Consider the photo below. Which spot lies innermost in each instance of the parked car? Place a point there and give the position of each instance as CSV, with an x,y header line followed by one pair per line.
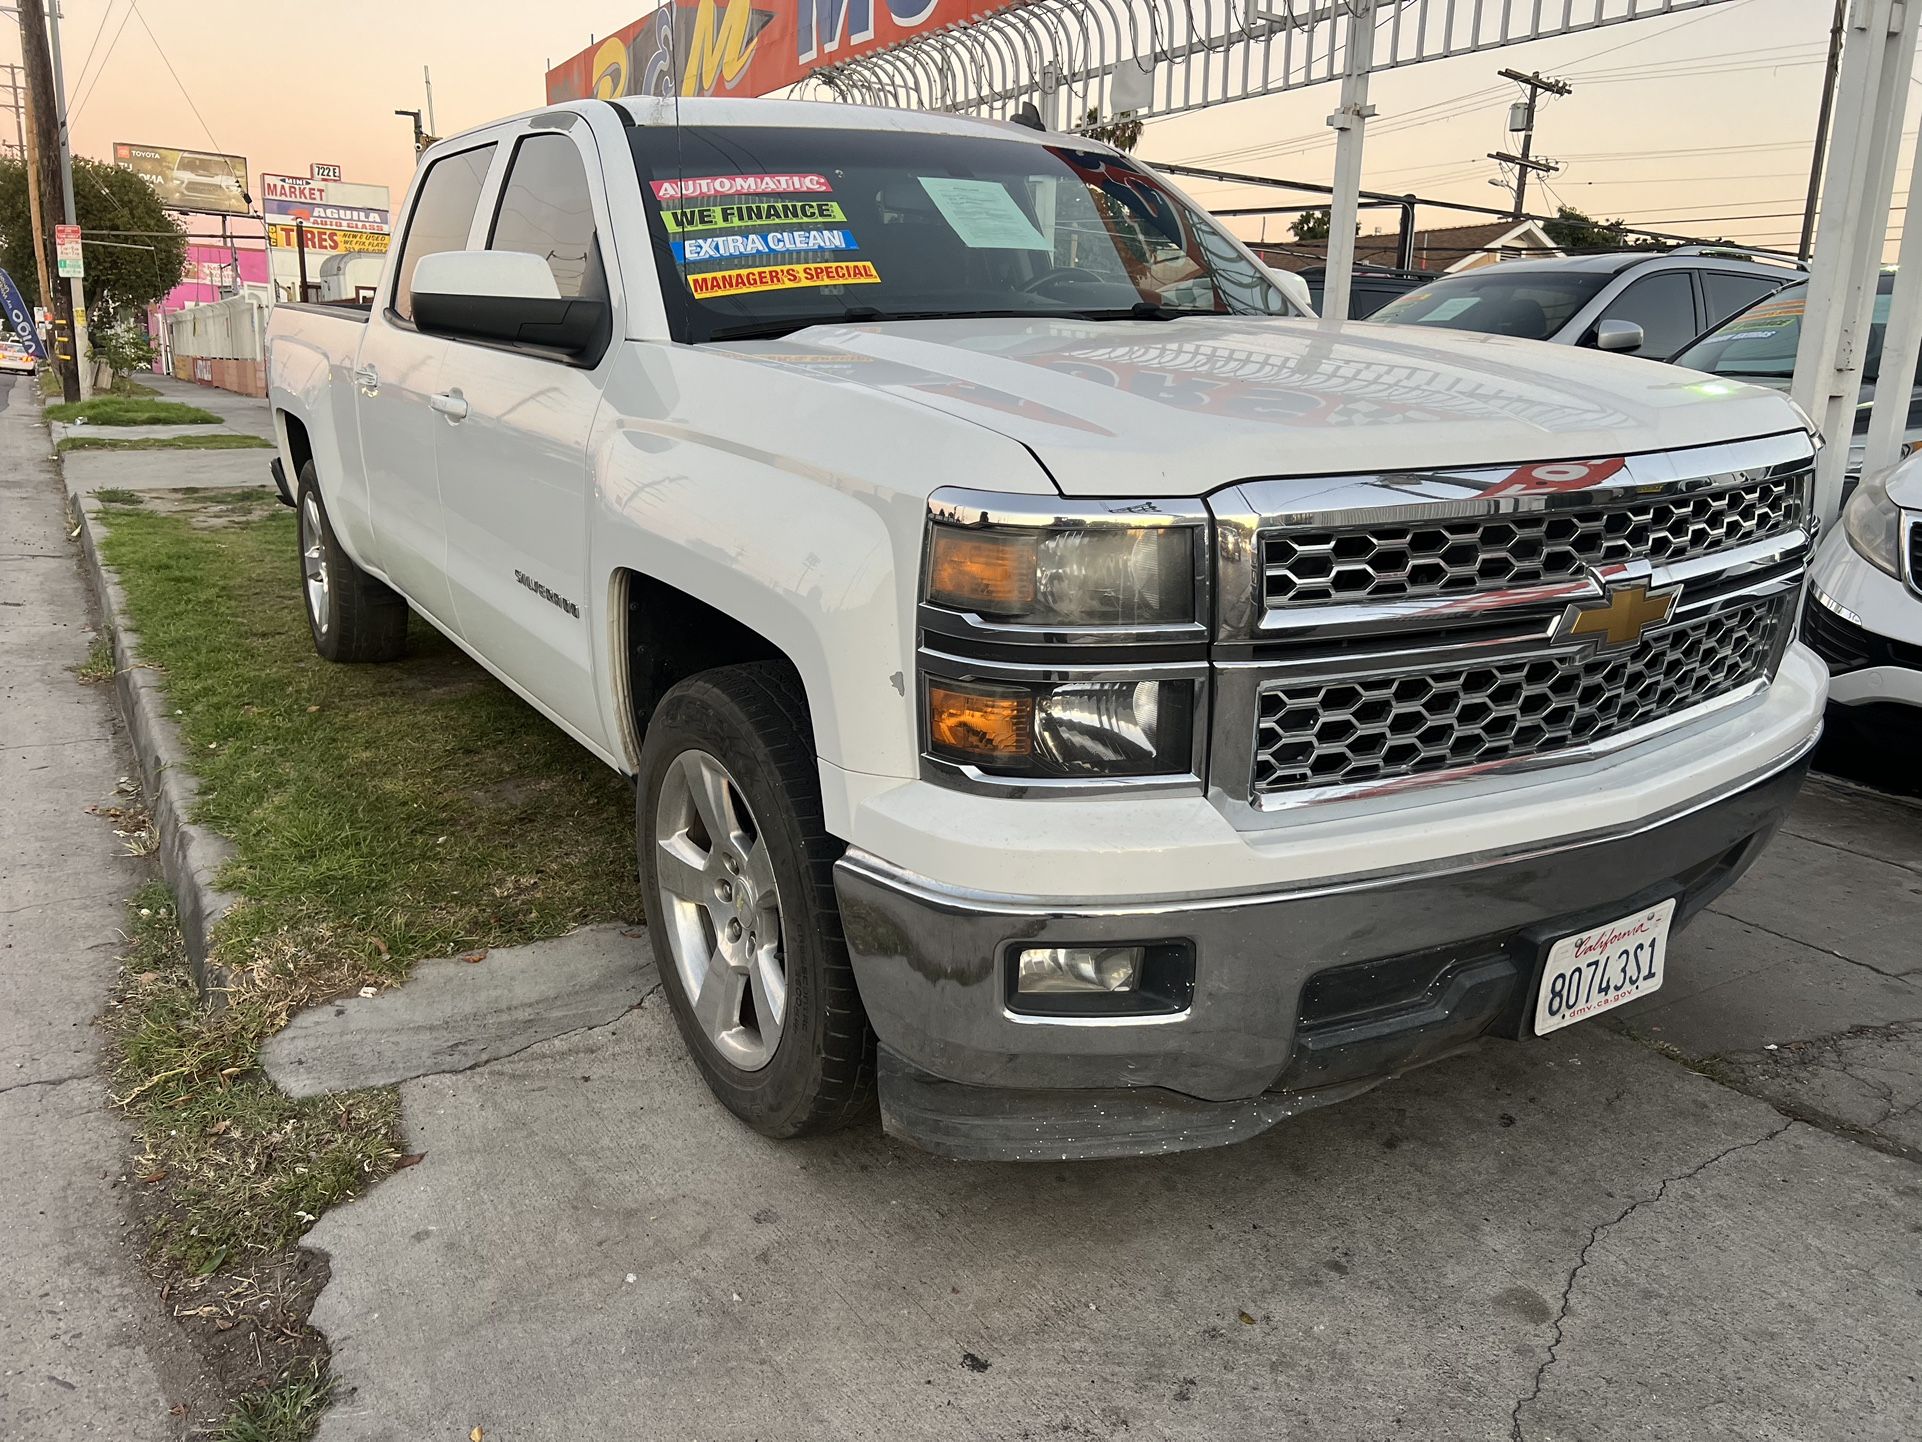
x,y
14,356
1640,302
1059,682
1864,614
1759,346
1371,287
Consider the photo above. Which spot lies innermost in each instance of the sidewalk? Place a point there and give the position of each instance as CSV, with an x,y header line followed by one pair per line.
x,y
86,1350
89,471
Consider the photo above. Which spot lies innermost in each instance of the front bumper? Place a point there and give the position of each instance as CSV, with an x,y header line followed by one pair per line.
x,y
1301,997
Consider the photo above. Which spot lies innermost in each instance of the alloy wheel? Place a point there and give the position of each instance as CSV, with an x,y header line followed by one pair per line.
x,y
721,909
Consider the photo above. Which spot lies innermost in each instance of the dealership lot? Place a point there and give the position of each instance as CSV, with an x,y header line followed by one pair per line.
x,y
1579,1237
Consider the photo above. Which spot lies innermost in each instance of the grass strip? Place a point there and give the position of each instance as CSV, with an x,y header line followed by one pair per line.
x,y
131,411
219,441
379,814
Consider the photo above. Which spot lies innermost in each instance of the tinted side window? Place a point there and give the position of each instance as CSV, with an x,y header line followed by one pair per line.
x,y
1664,307
442,216
546,210
1729,292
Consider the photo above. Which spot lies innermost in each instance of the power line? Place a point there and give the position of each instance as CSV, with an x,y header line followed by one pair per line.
x,y
112,46
85,65
134,8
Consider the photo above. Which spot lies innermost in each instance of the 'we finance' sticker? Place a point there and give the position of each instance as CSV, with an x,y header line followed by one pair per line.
x,y
782,277
746,213
719,187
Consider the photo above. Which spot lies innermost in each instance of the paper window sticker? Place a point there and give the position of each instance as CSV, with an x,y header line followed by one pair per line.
x,y
983,214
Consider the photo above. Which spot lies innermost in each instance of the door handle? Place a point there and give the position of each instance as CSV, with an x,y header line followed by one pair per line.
x,y
450,404
368,379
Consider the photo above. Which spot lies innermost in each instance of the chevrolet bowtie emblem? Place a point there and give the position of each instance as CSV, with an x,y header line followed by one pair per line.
x,y
1620,618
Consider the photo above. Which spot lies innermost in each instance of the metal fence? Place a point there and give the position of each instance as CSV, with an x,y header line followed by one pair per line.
x,y
1163,57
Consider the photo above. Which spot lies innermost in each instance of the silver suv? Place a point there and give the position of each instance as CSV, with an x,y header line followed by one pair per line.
x,y
1644,303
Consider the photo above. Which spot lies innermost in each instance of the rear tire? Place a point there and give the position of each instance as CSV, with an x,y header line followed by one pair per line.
x,y
737,871
352,616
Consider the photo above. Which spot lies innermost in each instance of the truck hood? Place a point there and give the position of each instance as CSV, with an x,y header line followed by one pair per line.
x,y
1124,408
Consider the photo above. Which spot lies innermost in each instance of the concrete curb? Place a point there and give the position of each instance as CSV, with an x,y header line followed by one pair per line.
x,y
191,856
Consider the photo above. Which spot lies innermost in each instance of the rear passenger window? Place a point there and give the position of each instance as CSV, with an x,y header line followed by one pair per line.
x,y
442,216
546,210
1664,307
1729,292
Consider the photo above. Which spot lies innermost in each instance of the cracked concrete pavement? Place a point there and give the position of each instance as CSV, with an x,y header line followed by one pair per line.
x,y
86,1349
1578,1238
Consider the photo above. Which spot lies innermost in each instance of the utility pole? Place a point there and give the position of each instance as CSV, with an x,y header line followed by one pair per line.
x,y
1525,164
82,350
43,165
1822,129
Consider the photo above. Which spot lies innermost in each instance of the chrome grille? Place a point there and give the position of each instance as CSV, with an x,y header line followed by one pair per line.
x,y
1369,728
1484,553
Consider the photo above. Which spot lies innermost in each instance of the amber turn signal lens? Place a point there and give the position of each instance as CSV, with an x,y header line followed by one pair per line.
x,y
981,570
969,723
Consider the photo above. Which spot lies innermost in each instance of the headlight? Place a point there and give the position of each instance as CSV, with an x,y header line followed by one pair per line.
x,y
1071,729
1873,523
1097,576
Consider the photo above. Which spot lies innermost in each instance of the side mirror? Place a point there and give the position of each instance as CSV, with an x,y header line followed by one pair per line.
x,y
507,296
1609,334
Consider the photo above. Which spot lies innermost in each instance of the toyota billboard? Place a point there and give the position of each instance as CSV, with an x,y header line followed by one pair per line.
x,y
188,179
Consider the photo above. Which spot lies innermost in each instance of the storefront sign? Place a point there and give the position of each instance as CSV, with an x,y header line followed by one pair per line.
x,y
286,237
319,171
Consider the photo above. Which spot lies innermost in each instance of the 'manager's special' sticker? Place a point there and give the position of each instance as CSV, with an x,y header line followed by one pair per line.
x,y
770,212
713,187
761,242
782,277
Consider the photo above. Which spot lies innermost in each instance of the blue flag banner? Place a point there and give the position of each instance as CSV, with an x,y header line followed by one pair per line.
x,y
19,317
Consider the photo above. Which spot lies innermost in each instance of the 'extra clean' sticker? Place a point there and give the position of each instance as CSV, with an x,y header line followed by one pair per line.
x,y
782,277
719,187
698,248
749,213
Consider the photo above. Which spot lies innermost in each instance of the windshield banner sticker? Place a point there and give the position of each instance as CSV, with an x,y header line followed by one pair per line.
x,y
718,187
983,214
761,242
773,212
782,277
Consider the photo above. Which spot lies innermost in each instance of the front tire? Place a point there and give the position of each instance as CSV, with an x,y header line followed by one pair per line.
x,y
737,871
353,616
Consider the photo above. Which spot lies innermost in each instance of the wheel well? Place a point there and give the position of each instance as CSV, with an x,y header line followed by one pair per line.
x,y
672,635
300,450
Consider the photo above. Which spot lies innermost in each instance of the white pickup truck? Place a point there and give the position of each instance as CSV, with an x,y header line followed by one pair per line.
x,y
1062,686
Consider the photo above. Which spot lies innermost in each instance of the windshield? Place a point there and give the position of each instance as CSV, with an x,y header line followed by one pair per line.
x,y
763,230
1760,343
1532,305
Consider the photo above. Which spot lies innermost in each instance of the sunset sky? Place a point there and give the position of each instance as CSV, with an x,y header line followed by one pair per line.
x,y
1698,123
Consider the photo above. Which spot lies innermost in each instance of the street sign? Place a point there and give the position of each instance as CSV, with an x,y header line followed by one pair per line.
x,y
66,246
318,171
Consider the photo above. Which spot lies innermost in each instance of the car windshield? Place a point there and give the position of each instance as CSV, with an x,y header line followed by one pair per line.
x,y
762,230
1760,343
1533,304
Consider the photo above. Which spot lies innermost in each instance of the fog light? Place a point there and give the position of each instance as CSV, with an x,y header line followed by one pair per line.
x,y
1079,968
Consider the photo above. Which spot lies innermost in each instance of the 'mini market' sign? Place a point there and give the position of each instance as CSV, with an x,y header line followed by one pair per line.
x,y
747,47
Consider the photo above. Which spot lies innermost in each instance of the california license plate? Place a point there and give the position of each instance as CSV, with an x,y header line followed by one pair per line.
x,y
1600,969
